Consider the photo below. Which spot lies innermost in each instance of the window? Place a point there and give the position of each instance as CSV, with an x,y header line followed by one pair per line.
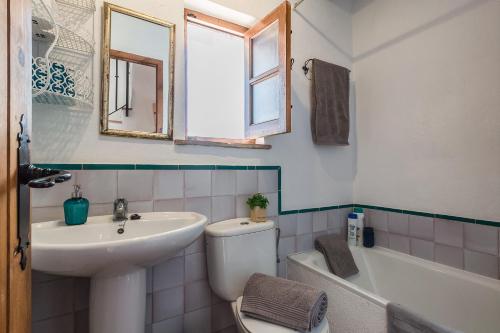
x,y
238,79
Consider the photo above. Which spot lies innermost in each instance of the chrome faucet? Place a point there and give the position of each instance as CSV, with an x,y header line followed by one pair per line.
x,y
120,209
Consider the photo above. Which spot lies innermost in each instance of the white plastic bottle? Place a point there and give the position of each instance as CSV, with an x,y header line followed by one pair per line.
x,y
360,225
352,226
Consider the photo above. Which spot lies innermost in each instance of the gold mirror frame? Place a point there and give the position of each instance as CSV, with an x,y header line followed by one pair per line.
x,y
106,45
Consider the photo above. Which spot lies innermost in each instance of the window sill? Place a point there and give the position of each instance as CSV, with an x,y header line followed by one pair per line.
x,y
224,143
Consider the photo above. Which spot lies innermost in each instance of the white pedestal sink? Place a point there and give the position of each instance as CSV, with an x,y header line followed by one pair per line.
x,y
116,262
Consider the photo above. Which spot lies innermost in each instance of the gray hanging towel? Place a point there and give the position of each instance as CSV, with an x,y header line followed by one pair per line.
x,y
329,104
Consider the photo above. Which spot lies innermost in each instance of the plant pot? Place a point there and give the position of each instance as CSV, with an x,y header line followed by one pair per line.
x,y
258,214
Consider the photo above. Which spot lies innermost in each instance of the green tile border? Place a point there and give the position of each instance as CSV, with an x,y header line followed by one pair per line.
x,y
67,166
432,215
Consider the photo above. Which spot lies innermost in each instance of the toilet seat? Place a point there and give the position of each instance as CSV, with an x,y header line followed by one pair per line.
x,y
252,325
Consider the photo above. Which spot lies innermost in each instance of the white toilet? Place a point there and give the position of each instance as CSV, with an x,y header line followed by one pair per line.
x,y
236,249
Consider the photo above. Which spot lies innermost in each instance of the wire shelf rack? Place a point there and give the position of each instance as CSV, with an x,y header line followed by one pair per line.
x,y
62,71
54,83
74,13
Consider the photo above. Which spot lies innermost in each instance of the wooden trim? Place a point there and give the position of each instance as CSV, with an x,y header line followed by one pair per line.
x,y
282,15
106,54
16,303
225,143
213,22
4,120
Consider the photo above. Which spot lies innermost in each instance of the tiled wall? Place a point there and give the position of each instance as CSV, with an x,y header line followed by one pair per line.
x,y
179,298
465,245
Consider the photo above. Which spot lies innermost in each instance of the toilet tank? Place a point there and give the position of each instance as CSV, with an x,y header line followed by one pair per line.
x,y
236,249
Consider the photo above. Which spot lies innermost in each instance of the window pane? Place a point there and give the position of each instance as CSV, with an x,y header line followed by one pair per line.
x,y
266,100
265,50
215,83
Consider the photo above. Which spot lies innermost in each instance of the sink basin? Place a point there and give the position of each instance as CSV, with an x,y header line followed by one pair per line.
x,y
115,259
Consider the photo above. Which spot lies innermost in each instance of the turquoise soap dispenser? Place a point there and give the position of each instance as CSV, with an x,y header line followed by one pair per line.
x,y
76,209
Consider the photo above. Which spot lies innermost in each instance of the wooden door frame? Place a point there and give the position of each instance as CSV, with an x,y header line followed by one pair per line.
x,y
15,99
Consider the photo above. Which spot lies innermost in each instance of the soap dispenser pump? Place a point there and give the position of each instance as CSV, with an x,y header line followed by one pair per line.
x,y
76,209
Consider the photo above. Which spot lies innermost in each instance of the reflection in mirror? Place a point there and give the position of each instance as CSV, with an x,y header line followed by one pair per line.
x,y
135,103
137,75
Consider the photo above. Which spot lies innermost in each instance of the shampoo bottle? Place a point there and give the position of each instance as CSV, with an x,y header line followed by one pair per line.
x,y
352,226
360,225
76,209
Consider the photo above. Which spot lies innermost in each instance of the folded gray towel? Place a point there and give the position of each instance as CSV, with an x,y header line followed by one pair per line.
x,y
329,104
284,302
337,255
400,320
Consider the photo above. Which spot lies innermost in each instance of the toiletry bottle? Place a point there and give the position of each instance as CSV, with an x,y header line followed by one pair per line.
x,y
352,226
76,209
361,225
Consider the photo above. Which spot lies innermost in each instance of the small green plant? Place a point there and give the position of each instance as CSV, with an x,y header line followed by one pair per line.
x,y
257,200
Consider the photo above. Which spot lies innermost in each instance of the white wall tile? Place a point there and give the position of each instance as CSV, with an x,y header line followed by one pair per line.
x,y
53,196
168,303
333,217
43,214
202,205
272,208
304,223
62,324
100,209
304,242
286,246
223,182
168,184
288,225
197,246
99,186
481,238
242,209
268,181
320,221
195,268
481,263
198,321
172,325
223,208
448,232
198,183
135,185
222,316
197,295
45,305
168,274
140,207
246,182
170,205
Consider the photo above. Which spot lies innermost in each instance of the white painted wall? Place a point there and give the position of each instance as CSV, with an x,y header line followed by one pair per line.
x,y
428,105
312,175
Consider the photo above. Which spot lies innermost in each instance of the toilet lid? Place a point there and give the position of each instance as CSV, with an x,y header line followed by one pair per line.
x,y
258,326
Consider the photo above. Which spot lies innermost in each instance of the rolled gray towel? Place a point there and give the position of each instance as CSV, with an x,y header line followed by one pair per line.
x,y
284,302
338,257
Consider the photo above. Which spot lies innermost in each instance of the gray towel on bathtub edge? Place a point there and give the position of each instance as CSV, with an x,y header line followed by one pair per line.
x,y
400,320
284,302
337,255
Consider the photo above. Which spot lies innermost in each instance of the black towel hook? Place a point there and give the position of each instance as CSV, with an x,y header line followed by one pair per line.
x,y
305,68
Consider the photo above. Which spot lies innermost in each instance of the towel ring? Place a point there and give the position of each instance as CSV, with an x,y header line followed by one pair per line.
x,y
305,68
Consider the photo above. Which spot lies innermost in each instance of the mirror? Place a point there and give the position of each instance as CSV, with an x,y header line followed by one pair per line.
x,y
137,76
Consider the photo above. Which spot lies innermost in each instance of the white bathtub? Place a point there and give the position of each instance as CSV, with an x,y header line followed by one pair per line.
x,y
461,300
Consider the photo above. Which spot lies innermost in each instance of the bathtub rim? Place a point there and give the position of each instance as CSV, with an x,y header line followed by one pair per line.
x,y
469,277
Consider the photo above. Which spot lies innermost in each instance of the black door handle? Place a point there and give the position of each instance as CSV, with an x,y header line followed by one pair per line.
x,y
41,178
